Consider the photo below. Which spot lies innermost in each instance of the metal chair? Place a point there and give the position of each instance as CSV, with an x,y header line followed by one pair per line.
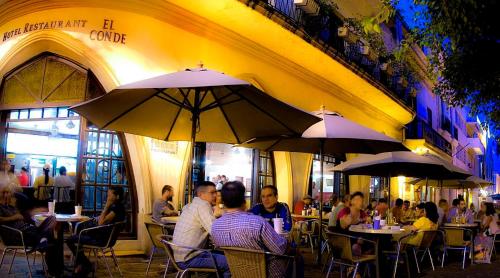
x,y
340,245
249,263
182,271
13,240
309,229
154,230
425,244
400,251
454,240
113,230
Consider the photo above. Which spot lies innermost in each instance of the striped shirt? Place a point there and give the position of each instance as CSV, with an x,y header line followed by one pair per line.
x,y
193,228
246,230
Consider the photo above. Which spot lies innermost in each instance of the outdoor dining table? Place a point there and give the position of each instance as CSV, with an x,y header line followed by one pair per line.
x,y
170,219
383,238
61,219
459,225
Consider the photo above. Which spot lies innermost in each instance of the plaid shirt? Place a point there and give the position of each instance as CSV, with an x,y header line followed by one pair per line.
x,y
193,228
246,230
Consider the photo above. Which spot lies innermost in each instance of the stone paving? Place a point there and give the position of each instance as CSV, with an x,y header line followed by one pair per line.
x,y
135,266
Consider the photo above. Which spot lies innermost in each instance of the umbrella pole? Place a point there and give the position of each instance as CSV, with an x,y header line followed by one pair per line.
x,y
322,159
194,123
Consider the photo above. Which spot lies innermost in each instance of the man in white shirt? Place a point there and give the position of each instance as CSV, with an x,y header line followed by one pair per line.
x,y
193,230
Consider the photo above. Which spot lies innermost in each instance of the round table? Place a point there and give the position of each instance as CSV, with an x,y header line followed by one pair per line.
x,y
170,219
305,216
381,236
61,219
358,229
457,225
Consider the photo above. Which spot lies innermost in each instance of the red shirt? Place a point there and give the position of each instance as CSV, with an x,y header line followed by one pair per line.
x,y
23,179
345,211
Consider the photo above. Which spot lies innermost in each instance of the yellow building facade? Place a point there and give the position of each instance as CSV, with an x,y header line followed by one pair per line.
x,y
125,41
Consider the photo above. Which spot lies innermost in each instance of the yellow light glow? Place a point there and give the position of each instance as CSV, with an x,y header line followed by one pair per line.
x,y
401,186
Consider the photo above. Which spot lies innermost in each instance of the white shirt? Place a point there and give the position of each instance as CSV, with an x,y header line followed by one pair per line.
x,y
193,228
62,186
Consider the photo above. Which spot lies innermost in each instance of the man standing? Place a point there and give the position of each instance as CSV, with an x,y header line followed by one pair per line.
x,y
162,206
193,230
332,220
238,228
270,207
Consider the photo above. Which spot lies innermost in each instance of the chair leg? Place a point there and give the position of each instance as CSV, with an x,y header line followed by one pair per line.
x,y
116,261
150,259
430,258
28,262
3,256
442,261
463,260
12,262
312,244
106,263
355,270
166,269
329,268
416,259
395,266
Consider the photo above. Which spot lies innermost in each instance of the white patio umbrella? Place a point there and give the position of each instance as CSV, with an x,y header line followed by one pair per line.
x,y
393,164
196,105
333,135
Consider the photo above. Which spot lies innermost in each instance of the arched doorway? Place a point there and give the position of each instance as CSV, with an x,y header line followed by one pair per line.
x,y
37,129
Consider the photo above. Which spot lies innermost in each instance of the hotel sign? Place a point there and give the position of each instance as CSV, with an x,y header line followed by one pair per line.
x,y
106,33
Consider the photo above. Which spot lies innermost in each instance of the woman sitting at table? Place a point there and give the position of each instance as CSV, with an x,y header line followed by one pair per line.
x,y
40,237
489,227
113,212
428,221
352,214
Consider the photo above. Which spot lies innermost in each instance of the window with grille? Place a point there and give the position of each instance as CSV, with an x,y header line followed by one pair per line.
x,y
103,165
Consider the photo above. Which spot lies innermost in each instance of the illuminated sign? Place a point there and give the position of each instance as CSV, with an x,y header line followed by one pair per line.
x,y
107,33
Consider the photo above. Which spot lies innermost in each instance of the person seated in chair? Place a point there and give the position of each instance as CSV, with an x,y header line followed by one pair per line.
x,y
39,237
163,206
270,207
113,212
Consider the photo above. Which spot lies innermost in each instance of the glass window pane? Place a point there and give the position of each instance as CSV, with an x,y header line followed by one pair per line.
x,y
50,112
118,174
88,174
14,114
117,150
35,113
88,197
104,144
91,144
101,196
62,112
23,114
103,171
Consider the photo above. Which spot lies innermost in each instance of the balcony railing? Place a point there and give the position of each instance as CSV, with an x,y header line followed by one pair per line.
x,y
418,129
321,30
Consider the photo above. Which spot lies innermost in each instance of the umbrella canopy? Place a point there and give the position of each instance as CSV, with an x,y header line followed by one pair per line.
x,y
202,104
393,164
337,134
197,105
468,183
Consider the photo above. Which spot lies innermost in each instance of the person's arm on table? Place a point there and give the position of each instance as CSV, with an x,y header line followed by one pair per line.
x,y
15,217
274,242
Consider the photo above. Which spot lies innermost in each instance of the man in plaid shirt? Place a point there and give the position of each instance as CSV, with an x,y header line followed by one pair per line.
x,y
238,228
193,230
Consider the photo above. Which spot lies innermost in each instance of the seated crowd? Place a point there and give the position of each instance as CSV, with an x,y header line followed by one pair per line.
x,y
221,219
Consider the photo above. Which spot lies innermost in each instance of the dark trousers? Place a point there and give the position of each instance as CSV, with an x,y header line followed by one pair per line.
x,y
46,229
72,243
